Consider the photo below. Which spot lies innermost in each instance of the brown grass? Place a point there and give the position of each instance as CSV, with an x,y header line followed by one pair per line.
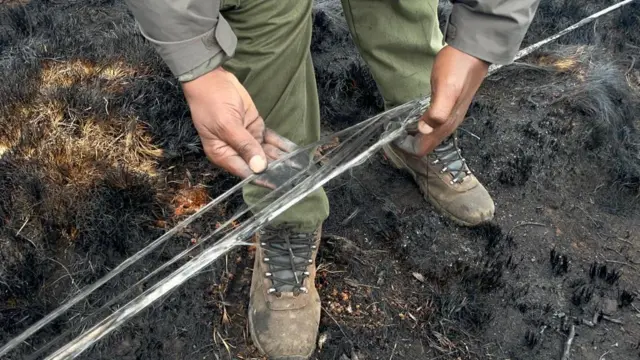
x,y
566,62
78,148
57,74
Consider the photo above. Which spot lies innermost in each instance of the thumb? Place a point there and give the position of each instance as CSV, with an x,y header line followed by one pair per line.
x,y
249,149
443,100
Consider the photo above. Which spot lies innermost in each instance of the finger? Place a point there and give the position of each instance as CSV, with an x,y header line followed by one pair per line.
x,y
246,146
273,138
443,101
254,124
420,144
425,143
273,153
234,164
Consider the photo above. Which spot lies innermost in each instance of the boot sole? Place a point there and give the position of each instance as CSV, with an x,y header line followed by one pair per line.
x,y
257,345
399,164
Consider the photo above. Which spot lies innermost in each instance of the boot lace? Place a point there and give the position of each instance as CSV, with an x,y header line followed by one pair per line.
x,y
288,255
449,155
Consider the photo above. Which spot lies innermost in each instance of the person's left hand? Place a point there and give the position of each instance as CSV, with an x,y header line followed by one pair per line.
x,y
455,79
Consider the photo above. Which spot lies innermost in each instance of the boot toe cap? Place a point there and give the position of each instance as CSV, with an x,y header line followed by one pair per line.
x,y
472,208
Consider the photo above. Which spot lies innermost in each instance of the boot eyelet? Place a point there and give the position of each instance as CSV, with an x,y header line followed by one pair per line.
x,y
268,274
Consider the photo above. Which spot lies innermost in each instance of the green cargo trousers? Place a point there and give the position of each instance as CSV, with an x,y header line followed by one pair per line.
x,y
398,39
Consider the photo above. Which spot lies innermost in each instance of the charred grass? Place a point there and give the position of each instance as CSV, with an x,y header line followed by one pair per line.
x,y
98,158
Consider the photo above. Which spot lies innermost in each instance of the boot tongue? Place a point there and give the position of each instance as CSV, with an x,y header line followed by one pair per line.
x,y
289,254
448,154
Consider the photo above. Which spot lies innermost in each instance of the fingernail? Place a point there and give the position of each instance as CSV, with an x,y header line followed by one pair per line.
x,y
424,128
257,164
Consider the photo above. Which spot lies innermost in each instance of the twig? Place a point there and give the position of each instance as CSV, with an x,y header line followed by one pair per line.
x,y
350,217
334,320
22,227
469,132
524,224
622,263
635,308
68,272
567,347
633,62
394,350
623,240
602,356
594,321
617,321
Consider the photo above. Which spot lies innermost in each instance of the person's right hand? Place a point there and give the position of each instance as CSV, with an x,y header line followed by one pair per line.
x,y
232,132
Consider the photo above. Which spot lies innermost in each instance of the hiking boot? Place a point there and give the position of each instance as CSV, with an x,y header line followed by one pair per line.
x,y
284,308
446,181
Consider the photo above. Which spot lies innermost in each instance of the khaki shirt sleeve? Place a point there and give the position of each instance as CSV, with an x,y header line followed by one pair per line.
x,y
491,30
191,36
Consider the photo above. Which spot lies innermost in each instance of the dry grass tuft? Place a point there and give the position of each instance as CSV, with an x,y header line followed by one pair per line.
x,y
13,3
57,74
572,59
78,147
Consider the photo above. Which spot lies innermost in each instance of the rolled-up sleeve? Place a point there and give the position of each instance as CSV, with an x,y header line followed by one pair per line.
x,y
491,30
187,34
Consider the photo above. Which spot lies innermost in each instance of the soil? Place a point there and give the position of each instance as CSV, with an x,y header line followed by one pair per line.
x,y
555,141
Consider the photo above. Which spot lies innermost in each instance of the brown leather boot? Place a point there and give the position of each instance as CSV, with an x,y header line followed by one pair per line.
x,y
446,181
284,309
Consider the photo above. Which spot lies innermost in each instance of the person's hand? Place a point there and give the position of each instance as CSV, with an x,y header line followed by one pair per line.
x,y
232,131
455,79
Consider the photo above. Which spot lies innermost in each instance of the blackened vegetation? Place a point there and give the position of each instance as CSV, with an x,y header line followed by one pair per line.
x,y
531,339
615,31
600,271
626,298
98,157
607,100
497,242
517,171
582,292
559,262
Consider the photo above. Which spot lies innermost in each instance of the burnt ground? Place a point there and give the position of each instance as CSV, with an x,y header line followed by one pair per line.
x,y
98,158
